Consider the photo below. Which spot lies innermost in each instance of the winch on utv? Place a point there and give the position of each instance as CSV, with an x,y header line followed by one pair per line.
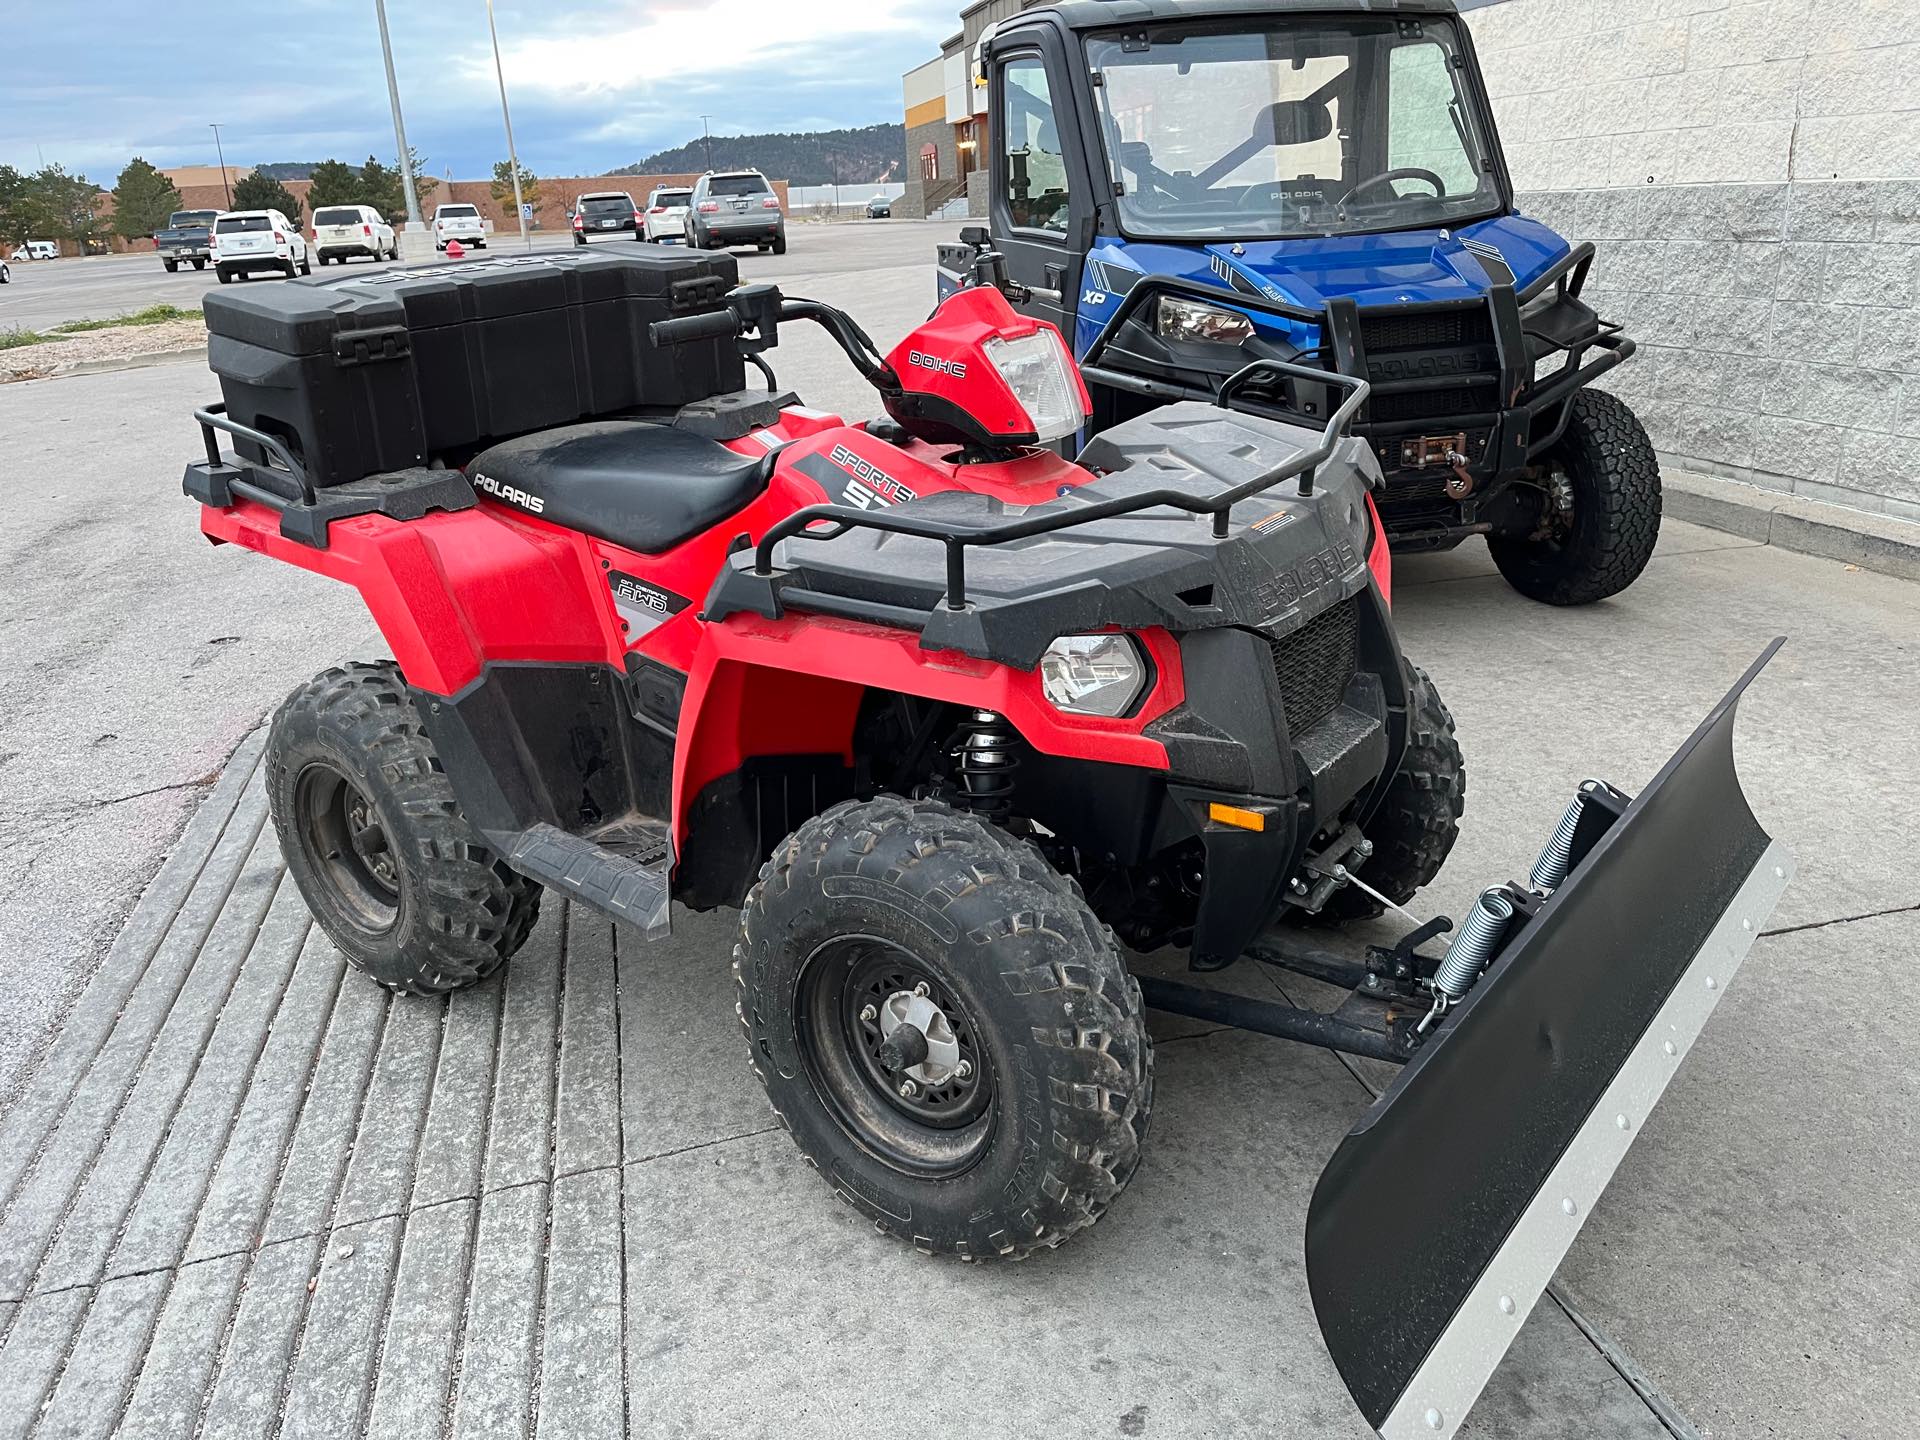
x,y
939,709
1326,178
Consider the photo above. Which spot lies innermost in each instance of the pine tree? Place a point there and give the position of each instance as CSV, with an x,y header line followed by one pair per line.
x,y
260,192
334,183
143,198
502,187
62,205
381,188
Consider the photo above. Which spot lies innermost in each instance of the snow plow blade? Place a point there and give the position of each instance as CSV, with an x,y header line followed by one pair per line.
x,y
1444,1213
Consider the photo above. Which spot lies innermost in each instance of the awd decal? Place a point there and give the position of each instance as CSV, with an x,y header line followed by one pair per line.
x,y
641,603
534,504
955,368
870,485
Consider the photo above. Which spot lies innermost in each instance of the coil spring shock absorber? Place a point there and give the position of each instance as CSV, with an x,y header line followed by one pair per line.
x,y
986,753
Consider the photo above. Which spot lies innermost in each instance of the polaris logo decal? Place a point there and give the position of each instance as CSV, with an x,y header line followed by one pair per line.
x,y
956,368
870,485
529,502
643,605
1286,588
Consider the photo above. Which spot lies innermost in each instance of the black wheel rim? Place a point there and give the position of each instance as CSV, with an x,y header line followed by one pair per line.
x,y
347,847
849,999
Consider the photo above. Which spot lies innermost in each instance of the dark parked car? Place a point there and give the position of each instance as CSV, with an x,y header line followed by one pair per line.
x,y
604,215
879,208
736,207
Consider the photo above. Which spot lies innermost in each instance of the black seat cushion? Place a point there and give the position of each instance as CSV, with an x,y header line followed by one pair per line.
x,y
645,486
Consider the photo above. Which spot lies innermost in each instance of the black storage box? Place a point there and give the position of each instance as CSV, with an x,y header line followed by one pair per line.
x,y
380,370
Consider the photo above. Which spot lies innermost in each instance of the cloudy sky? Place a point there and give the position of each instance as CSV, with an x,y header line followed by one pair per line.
x,y
594,83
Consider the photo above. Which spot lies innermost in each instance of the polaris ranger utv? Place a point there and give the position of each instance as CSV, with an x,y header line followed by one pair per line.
x,y
948,716
1337,159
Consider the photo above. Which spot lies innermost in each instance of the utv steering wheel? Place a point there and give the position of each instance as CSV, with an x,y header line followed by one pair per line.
x,y
1405,172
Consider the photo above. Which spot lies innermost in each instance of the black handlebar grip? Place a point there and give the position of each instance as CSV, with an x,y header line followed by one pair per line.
x,y
716,326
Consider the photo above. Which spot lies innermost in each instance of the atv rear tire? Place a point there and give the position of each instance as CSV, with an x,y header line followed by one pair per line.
x,y
1419,817
374,839
1033,1124
1615,477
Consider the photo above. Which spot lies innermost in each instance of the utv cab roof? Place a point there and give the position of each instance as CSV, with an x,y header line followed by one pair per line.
x,y
1105,14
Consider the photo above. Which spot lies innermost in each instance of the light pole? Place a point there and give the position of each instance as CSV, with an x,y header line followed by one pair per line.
x,y
223,163
513,160
416,228
706,128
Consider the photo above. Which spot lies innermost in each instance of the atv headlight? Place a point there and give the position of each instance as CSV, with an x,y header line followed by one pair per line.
x,y
1037,369
1176,319
1093,674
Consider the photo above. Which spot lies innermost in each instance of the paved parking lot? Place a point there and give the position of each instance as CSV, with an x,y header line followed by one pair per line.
x,y
246,1193
45,293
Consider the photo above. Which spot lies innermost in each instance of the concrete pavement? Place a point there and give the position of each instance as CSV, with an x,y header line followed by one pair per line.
x,y
246,1193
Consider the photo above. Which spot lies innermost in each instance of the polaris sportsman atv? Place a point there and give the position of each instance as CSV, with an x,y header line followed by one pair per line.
x,y
943,713
1338,160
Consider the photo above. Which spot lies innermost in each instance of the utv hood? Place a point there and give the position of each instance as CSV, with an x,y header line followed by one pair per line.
x,y
1393,268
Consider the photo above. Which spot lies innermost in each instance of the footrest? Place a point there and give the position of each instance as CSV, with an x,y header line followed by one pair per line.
x,y
615,884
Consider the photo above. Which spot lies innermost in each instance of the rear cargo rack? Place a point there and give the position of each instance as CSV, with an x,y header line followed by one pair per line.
x,y
837,520
285,487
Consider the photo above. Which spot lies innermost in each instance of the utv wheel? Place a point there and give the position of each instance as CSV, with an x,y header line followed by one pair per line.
x,y
1419,817
946,1030
374,839
1613,480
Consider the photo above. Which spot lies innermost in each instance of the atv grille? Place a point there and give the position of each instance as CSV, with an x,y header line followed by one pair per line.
x,y
1423,404
1467,325
1314,663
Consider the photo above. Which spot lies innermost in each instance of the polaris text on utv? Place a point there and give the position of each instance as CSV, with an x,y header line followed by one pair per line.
x,y
1337,159
949,717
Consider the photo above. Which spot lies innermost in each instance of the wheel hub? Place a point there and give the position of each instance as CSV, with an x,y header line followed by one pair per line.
x,y
931,1037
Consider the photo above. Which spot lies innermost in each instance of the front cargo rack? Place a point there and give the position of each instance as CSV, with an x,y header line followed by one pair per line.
x,y
836,520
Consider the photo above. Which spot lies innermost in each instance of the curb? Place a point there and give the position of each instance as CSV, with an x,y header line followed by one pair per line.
x,y
128,362
1792,522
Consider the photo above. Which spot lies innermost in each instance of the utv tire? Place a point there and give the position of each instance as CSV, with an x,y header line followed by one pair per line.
x,y
375,840
1419,817
1033,1124
1615,476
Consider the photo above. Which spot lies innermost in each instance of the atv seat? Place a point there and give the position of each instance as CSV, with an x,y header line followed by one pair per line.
x,y
642,485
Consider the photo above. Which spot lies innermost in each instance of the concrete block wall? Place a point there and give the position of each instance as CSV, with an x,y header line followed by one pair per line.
x,y
1750,173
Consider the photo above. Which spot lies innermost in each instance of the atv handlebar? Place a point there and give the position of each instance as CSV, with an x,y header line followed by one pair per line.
x,y
717,326
753,317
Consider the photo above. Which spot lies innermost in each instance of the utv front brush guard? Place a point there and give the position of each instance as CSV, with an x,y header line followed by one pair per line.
x,y
1444,1213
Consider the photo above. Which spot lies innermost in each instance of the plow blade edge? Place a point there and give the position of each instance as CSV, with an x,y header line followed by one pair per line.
x,y
1444,1213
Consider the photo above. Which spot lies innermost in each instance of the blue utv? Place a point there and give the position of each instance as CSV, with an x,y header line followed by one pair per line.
x,y
1186,187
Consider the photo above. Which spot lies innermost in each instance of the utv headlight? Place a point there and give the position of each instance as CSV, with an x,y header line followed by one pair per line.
x,y
1039,371
1176,319
1093,674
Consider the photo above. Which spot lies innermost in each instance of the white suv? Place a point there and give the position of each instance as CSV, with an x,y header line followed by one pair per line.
x,y
458,222
244,241
666,217
343,230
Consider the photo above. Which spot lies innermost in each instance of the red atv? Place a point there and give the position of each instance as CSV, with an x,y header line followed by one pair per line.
x,y
942,711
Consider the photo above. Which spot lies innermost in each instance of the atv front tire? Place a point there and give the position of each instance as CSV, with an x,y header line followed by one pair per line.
x,y
373,837
1419,816
1603,545
1015,1117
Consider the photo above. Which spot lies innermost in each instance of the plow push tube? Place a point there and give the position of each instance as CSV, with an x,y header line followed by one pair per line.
x,y
1444,1213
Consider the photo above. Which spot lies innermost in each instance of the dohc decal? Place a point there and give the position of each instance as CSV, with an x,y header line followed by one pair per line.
x,y
870,485
955,368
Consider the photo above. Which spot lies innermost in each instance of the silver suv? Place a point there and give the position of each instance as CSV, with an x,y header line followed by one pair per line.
x,y
735,207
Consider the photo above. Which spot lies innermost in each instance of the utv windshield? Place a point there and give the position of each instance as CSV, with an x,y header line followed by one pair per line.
x,y
1313,128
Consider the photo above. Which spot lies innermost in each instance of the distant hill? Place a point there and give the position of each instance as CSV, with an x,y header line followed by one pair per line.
x,y
287,170
818,157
